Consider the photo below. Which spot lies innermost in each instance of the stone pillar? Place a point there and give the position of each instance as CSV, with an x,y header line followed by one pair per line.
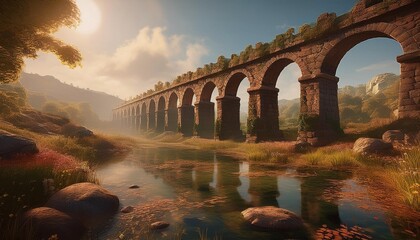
x,y
263,115
172,119
138,123
205,119
143,122
409,95
319,121
228,123
186,120
160,120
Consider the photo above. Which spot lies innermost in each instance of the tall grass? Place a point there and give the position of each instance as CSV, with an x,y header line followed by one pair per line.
x,y
69,146
333,158
203,235
407,178
210,144
269,152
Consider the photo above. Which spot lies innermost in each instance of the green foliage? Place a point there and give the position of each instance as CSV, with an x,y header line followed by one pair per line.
x,y
333,158
79,113
269,152
12,99
308,122
159,86
26,27
407,179
325,24
222,62
252,125
23,188
70,146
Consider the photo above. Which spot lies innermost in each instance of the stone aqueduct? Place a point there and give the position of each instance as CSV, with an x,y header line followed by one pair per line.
x,y
172,109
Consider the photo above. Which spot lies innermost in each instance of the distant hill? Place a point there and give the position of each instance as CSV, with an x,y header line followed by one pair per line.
x,y
42,89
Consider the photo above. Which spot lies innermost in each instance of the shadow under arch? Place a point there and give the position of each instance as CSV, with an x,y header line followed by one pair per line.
x,y
205,112
160,123
173,112
269,125
143,117
187,114
152,115
228,124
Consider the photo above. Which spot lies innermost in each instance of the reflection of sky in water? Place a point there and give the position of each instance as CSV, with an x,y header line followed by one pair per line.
x,y
352,215
213,184
194,176
243,177
290,197
258,190
120,176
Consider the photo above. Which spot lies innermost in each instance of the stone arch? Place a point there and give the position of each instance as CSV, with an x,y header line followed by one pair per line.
x,y
234,80
188,97
207,91
273,69
160,124
143,122
187,113
173,112
205,112
152,115
334,54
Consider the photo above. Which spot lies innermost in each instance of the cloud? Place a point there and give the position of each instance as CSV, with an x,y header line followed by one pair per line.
x,y
131,68
153,56
376,66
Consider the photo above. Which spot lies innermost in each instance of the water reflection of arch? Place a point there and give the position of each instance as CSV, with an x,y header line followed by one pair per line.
x,y
263,189
315,209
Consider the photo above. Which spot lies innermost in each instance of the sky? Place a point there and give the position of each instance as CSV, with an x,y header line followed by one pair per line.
x,y
129,45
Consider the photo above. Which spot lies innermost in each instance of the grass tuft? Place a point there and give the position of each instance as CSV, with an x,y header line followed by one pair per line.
x,y
333,158
407,178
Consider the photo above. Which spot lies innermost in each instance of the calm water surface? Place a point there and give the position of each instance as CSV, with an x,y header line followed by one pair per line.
x,y
198,191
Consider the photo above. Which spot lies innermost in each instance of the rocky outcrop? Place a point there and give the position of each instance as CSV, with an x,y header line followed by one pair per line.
x,y
38,122
272,218
393,136
380,82
86,202
43,222
70,130
11,144
371,145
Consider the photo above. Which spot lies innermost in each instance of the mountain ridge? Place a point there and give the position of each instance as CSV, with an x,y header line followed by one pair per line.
x,y
53,89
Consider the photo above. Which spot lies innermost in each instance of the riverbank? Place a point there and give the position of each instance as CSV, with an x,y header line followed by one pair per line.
x,y
28,180
394,172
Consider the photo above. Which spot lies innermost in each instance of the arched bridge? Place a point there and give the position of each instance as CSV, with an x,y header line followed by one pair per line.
x,y
173,109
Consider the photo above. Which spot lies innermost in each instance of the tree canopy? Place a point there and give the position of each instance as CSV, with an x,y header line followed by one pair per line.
x,y
26,26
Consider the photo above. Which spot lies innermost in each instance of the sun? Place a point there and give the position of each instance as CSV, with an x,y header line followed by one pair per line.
x,y
90,16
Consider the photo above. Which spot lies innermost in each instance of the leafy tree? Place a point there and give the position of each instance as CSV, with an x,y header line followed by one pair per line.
x,y
26,26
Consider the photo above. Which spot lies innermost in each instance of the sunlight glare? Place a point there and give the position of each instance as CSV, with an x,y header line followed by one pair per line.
x,y
90,16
